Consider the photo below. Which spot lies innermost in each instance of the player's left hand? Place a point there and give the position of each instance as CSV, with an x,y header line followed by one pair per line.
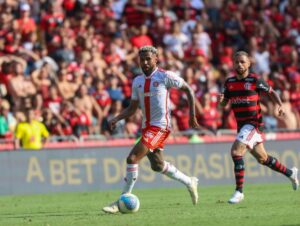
x,y
193,123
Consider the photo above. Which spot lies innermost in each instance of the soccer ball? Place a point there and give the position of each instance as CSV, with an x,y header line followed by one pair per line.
x,y
128,203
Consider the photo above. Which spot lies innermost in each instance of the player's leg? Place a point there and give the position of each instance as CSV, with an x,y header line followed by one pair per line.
x,y
136,154
159,165
238,151
262,157
134,157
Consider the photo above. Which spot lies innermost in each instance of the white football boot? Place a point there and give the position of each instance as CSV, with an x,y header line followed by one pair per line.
x,y
193,189
236,197
111,208
294,178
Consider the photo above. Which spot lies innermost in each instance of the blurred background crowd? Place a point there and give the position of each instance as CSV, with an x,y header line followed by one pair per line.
x,y
73,61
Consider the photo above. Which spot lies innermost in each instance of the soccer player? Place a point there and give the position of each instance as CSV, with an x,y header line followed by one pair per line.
x,y
150,91
243,91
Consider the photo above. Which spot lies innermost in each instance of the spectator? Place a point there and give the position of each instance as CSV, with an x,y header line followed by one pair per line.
x,y
181,115
135,13
176,40
25,24
66,88
119,131
88,106
7,120
209,117
291,120
53,101
19,86
41,79
141,37
202,40
114,90
102,97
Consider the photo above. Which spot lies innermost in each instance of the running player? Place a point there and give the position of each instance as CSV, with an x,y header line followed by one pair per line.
x,y
150,91
243,92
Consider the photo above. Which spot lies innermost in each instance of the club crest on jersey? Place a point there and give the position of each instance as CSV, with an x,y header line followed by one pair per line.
x,y
155,83
247,86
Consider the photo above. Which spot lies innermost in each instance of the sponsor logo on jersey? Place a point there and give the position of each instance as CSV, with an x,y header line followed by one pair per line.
x,y
151,94
240,100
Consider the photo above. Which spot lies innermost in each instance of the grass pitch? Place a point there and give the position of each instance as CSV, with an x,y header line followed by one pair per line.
x,y
268,204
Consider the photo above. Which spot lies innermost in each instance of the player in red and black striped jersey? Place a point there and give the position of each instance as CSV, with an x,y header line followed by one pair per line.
x,y
243,92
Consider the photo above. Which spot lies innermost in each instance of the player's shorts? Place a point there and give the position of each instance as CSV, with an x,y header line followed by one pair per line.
x,y
250,136
154,137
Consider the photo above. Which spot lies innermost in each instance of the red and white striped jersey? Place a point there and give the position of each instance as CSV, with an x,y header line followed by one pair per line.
x,y
152,92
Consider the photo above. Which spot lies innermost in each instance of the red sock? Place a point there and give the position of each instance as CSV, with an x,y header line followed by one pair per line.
x,y
275,165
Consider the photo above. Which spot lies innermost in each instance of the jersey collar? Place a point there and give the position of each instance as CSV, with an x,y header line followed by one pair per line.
x,y
148,77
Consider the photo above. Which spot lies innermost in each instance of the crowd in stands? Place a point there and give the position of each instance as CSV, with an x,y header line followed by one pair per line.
x,y
73,61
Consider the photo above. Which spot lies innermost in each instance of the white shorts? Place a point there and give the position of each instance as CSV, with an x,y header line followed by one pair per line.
x,y
250,136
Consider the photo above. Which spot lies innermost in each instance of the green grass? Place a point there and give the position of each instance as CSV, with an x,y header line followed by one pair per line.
x,y
268,204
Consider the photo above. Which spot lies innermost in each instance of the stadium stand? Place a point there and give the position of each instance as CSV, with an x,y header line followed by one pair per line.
x,y
73,61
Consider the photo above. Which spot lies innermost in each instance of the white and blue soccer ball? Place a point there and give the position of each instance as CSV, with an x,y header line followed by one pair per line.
x,y
128,203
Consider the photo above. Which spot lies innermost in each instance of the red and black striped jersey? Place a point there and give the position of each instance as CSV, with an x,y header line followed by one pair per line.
x,y
243,95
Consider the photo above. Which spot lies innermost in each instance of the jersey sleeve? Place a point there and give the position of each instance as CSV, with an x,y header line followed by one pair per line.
x,y
134,93
173,80
19,131
262,85
44,130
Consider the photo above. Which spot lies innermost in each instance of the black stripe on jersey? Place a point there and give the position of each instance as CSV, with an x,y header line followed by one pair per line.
x,y
241,105
245,114
239,93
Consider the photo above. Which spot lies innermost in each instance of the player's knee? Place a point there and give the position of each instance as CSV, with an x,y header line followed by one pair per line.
x,y
132,159
157,166
261,160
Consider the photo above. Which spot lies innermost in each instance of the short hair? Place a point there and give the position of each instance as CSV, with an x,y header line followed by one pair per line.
x,y
150,49
241,53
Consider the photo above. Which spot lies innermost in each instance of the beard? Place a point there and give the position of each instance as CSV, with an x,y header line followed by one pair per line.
x,y
240,70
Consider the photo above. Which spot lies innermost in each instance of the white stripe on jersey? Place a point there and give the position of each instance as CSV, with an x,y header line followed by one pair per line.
x,y
157,137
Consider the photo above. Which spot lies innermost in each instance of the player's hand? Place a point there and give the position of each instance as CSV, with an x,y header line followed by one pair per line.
x,y
220,97
281,111
112,123
193,122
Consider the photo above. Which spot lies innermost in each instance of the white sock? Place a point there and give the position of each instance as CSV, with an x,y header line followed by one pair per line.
x,y
132,172
172,172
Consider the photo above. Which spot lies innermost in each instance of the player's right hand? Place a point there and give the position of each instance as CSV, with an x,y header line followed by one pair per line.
x,y
112,123
193,123
220,97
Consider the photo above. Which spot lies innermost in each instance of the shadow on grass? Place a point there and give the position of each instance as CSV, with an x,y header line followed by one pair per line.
x,y
290,225
45,214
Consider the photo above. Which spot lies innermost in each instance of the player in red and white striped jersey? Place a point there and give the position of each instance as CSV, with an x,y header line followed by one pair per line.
x,y
150,91
243,92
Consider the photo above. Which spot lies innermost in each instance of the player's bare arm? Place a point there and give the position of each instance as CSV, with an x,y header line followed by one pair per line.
x,y
191,99
126,113
222,100
275,97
